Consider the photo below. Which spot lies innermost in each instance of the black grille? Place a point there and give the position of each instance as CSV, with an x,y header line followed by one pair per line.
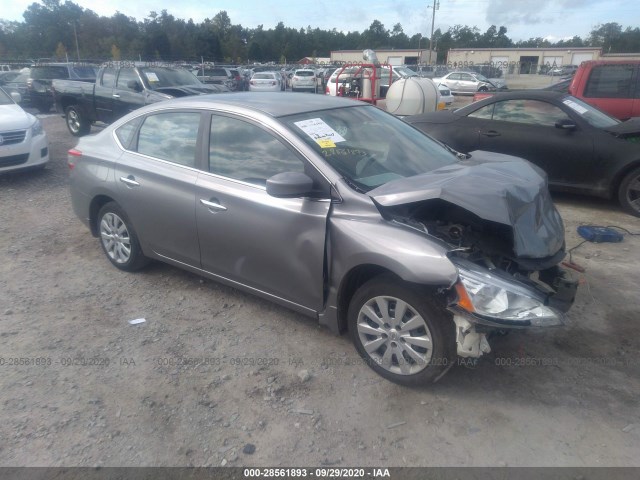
x,y
13,160
10,138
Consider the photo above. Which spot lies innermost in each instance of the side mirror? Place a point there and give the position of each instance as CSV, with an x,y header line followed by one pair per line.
x,y
289,185
566,124
134,85
16,97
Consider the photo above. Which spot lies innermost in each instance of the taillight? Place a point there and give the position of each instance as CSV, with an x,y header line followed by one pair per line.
x,y
71,161
326,90
273,83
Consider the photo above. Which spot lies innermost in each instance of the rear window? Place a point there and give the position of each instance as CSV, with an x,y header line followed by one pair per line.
x,y
38,73
610,81
304,73
261,76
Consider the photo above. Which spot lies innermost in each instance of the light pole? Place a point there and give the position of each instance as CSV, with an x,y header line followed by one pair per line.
x,y
436,6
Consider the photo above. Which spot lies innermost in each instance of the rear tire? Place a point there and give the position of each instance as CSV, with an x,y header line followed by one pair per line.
x,y
401,331
119,240
76,121
629,192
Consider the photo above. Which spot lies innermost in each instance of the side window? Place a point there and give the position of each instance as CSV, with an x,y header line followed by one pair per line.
x,y
108,77
126,131
454,76
466,77
609,81
531,112
170,136
484,112
126,75
243,151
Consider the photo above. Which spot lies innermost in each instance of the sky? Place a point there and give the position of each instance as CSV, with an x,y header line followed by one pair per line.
x,y
524,19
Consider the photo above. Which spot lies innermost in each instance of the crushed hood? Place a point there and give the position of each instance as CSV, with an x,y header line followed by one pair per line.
x,y
495,187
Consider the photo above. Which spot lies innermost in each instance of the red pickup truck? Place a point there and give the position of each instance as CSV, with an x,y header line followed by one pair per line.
x,y
610,85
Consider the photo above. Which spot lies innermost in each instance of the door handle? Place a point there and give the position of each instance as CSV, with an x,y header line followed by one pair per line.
x,y
213,205
115,95
129,181
490,133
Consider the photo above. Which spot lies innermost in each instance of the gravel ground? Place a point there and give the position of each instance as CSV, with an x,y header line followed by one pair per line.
x,y
218,377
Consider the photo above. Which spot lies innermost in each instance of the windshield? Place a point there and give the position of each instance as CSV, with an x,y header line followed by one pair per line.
x,y
480,77
595,117
405,72
367,146
160,77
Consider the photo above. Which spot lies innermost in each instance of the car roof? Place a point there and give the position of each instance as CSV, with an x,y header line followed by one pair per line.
x,y
529,94
275,104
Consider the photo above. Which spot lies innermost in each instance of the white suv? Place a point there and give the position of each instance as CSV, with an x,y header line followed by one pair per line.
x,y
303,79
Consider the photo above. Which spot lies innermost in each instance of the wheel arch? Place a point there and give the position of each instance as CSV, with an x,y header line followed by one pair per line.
x,y
97,203
358,276
619,177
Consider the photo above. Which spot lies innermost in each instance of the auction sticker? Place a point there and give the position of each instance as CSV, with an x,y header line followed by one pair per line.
x,y
320,132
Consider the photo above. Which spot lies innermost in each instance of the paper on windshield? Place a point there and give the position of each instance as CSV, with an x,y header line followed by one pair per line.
x,y
152,76
573,105
320,132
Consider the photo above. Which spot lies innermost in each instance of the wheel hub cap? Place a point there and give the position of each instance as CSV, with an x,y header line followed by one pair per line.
x,y
394,335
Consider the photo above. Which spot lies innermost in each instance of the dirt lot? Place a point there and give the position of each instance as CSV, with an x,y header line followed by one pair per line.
x,y
214,371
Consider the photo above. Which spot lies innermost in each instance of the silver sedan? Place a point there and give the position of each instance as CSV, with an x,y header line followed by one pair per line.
x,y
335,209
265,82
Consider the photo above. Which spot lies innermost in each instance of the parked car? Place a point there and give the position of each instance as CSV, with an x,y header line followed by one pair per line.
x,y
445,95
466,82
581,148
610,85
18,85
336,209
39,94
304,79
559,86
228,77
349,79
120,89
8,76
265,82
23,141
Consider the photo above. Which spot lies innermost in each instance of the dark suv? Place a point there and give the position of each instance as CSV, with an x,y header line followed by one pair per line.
x,y
38,88
228,77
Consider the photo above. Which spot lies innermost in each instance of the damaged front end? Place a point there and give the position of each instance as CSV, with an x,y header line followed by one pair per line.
x,y
504,235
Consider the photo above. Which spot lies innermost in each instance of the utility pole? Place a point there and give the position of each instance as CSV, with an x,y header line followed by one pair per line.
x,y
75,34
436,6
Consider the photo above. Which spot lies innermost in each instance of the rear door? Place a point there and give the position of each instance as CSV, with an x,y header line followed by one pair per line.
x,y
156,177
273,245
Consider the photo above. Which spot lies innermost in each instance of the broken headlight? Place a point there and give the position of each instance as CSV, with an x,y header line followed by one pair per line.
x,y
488,294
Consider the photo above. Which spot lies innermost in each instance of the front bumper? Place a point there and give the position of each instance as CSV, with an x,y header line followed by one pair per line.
x,y
32,152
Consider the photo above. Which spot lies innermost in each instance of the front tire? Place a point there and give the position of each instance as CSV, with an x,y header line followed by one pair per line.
x,y
76,122
401,331
118,239
629,192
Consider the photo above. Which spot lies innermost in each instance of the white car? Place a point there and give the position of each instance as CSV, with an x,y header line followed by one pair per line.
x,y
445,95
265,82
346,76
23,142
303,79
